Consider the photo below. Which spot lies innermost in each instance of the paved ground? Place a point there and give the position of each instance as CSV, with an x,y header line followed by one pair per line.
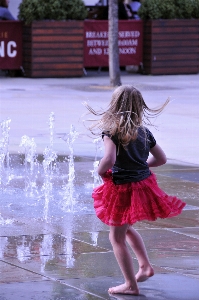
x,y
69,256
29,102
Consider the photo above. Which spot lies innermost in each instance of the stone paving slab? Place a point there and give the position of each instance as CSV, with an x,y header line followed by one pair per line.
x,y
192,232
10,273
85,289
47,290
149,290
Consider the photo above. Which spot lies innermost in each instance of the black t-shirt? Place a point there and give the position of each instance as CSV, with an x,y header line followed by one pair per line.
x,y
130,164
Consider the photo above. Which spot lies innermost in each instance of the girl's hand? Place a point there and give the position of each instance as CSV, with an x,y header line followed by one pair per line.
x,y
107,175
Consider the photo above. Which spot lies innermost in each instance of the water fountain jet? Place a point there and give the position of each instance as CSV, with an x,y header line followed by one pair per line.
x,y
37,184
68,189
4,153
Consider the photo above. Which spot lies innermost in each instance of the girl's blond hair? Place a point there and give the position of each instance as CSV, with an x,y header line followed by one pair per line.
x,y
125,114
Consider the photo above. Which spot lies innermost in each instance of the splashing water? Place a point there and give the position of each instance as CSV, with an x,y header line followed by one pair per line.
x,y
51,127
5,176
46,251
94,237
5,221
49,158
29,147
42,180
3,244
23,250
97,179
68,245
4,153
68,189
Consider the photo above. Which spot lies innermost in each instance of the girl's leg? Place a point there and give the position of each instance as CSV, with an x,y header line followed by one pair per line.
x,y
118,240
136,243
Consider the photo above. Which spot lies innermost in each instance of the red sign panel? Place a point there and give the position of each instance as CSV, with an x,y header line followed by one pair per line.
x,y
10,45
130,41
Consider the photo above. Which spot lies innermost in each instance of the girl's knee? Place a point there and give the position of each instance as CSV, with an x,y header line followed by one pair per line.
x,y
117,234
132,232
116,238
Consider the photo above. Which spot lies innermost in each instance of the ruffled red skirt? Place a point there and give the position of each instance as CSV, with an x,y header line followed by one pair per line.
x,y
128,203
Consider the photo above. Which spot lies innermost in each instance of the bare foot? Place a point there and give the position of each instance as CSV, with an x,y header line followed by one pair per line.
x,y
124,289
144,274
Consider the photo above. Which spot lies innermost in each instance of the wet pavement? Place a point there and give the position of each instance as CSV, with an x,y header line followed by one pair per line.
x,y
69,255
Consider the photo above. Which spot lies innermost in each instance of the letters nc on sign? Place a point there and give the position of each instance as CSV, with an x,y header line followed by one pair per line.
x,y
9,49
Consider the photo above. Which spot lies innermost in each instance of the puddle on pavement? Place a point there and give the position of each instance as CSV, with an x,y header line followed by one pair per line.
x,y
19,199
74,247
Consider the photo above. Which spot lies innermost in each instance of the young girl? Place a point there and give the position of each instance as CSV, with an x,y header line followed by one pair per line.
x,y
130,192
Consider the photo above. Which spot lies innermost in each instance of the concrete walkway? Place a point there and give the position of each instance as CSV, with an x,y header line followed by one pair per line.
x,y
68,256
29,102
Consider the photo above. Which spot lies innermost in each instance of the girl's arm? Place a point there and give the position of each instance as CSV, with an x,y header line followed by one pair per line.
x,y
109,157
158,158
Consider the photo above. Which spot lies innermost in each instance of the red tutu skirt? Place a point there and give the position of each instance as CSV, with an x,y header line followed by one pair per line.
x,y
128,203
